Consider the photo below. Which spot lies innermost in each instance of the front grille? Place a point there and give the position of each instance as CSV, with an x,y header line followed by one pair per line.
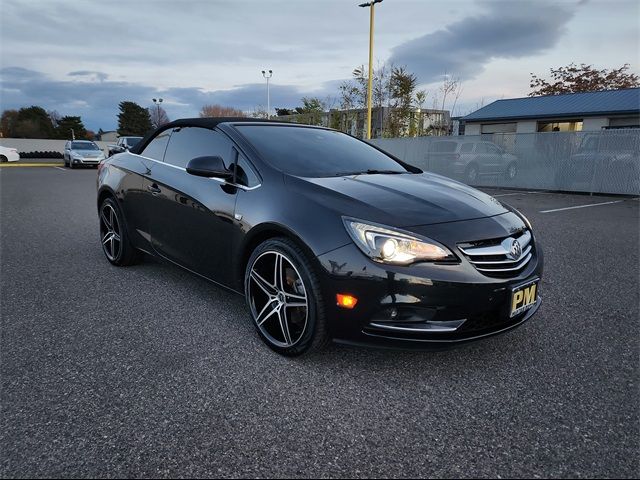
x,y
498,257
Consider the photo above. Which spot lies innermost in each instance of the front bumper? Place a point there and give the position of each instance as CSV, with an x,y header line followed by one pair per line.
x,y
420,306
86,161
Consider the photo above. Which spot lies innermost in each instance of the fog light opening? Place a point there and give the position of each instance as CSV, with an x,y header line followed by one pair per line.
x,y
346,301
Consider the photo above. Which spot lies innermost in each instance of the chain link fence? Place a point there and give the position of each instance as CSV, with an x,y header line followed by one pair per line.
x,y
607,161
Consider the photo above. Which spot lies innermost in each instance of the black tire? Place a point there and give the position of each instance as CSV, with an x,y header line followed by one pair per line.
x,y
314,335
471,173
125,253
71,165
3,159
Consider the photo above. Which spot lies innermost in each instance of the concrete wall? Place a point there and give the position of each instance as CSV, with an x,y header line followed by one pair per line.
x,y
25,145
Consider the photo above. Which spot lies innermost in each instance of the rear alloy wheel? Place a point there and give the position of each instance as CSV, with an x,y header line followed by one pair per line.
x,y
284,298
113,235
3,159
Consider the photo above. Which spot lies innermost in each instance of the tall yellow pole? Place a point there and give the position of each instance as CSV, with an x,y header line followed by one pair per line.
x,y
369,87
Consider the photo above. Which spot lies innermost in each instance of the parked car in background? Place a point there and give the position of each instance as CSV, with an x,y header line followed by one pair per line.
x,y
468,159
123,144
602,163
9,155
79,153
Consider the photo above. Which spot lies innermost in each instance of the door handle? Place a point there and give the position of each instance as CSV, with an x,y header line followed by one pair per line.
x,y
153,189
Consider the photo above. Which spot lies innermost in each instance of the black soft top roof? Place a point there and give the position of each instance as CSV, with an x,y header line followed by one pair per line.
x,y
208,122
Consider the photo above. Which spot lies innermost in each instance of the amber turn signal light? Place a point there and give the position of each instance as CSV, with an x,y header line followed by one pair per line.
x,y
346,301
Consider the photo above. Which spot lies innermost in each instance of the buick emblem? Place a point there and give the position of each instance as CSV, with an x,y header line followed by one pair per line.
x,y
516,250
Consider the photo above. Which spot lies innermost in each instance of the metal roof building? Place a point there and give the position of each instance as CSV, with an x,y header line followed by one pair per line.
x,y
587,111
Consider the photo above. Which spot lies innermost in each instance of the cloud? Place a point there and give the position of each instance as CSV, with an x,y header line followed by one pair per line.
x,y
91,74
507,29
97,99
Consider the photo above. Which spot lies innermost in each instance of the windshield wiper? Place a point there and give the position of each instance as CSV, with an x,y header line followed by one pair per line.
x,y
371,171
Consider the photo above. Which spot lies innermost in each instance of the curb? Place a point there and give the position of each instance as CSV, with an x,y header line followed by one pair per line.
x,y
17,165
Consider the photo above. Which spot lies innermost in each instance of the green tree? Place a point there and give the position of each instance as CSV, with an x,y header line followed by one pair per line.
x,y
32,122
402,87
70,127
583,78
311,111
281,112
7,123
133,119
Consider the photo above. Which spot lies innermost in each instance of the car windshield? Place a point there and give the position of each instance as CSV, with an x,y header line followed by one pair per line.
x,y
84,146
314,152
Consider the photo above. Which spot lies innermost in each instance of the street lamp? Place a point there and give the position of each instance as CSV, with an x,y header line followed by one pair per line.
x,y
157,104
372,5
268,76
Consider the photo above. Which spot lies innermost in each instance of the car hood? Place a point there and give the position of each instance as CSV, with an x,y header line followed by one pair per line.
x,y
399,200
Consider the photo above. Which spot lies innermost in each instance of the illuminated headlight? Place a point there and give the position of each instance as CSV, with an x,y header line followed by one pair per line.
x,y
389,245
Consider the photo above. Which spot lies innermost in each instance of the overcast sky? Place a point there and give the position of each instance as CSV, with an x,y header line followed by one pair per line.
x,y
82,57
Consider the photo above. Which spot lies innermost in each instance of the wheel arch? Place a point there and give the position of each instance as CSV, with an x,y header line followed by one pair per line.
x,y
106,192
262,233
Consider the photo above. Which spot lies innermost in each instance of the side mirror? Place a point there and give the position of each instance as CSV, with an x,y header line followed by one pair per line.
x,y
210,167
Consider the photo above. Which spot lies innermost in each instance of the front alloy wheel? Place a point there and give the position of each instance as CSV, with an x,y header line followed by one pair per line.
x,y
284,298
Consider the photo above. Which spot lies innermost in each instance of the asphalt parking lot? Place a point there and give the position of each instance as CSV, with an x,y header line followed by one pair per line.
x,y
149,371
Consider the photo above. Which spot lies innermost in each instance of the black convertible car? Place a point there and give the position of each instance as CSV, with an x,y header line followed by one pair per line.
x,y
326,236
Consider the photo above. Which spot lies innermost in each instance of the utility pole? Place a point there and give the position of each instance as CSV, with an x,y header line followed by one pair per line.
x,y
371,5
268,76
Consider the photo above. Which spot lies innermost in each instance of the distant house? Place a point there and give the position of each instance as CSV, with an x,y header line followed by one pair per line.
x,y
110,136
590,111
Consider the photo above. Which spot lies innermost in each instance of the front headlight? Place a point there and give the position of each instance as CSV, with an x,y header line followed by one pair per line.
x,y
76,156
389,245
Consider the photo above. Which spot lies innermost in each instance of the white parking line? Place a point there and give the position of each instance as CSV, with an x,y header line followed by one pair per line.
x,y
60,168
580,206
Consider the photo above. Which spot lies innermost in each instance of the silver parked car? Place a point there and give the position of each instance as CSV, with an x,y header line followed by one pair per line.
x,y
78,153
602,163
124,144
469,159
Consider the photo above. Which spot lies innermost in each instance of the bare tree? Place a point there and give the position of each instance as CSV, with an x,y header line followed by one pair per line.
x,y
158,115
421,97
55,117
220,111
349,95
258,111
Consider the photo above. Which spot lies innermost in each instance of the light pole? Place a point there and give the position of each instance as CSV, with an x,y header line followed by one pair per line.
x,y
371,5
268,76
157,104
